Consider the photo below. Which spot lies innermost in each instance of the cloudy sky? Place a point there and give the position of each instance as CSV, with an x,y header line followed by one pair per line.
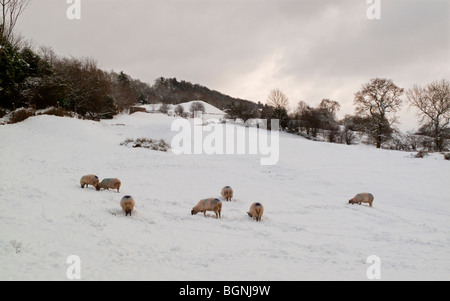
x,y
310,49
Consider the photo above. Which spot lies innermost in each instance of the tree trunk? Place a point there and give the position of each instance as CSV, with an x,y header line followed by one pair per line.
x,y
379,134
378,141
438,142
437,138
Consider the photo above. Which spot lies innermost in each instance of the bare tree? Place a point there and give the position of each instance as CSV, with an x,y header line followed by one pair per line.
x,y
379,100
197,107
330,108
11,10
433,103
301,107
179,110
327,113
277,98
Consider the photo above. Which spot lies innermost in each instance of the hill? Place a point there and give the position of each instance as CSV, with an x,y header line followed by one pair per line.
x,y
172,91
308,231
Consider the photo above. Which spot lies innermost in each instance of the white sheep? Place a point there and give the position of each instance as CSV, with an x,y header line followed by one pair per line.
x,y
211,204
89,180
256,211
227,193
112,183
362,198
127,203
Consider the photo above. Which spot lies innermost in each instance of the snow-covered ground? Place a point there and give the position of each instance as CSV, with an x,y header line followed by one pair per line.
x,y
210,110
308,231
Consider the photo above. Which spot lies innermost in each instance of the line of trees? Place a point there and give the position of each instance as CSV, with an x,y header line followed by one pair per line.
x,y
40,79
173,91
375,104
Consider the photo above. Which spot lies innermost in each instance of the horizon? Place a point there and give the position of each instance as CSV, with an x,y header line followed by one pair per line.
x,y
308,50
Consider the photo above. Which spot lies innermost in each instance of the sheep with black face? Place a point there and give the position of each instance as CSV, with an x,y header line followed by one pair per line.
x,y
127,203
362,198
256,211
211,204
90,180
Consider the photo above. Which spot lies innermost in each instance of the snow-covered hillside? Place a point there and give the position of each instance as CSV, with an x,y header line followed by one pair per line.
x,y
308,231
210,110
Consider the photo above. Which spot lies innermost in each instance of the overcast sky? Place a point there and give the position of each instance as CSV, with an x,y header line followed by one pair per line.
x,y
310,49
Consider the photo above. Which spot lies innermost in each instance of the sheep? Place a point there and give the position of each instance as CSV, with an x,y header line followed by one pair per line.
x,y
362,198
127,204
211,204
227,193
112,183
256,211
89,180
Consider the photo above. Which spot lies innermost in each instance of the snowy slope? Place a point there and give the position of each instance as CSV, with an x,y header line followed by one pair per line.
x,y
210,110
308,231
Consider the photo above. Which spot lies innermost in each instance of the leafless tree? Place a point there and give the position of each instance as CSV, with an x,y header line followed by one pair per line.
x,y
278,99
301,107
11,11
433,103
379,100
179,110
196,107
330,108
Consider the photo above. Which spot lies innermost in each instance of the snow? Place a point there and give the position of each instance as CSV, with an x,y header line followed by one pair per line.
x,y
211,112
308,231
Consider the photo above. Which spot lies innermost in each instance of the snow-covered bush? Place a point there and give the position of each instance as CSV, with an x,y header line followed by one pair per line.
x,y
20,115
158,145
60,112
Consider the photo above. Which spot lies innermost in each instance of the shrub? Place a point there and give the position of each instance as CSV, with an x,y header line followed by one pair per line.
x,y
179,110
196,107
333,134
164,108
447,156
60,112
3,112
20,115
421,154
158,145
348,136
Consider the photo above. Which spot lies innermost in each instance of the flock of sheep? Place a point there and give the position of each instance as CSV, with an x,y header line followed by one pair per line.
x,y
211,204
127,202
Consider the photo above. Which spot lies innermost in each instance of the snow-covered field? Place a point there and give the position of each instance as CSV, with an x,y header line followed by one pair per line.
x,y
308,231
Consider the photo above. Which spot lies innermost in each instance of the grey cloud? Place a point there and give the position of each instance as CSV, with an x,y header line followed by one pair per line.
x,y
323,48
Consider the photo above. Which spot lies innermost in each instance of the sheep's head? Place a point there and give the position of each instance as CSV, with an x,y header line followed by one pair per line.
x,y
194,212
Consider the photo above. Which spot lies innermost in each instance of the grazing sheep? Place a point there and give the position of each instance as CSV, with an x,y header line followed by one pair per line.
x,y
127,204
89,180
227,193
362,198
112,183
256,211
211,204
